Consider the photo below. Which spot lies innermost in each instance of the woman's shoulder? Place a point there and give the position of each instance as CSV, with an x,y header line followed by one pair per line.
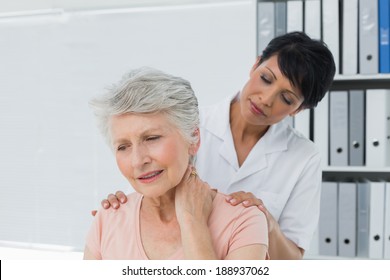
x,y
134,197
228,218
215,112
297,140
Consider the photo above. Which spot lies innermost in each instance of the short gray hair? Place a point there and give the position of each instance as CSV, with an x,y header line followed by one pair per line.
x,y
147,90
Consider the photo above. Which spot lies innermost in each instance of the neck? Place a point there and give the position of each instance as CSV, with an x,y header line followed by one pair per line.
x,y
241,129
161,208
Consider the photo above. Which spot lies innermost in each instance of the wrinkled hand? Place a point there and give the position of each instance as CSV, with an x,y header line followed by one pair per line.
x,y
113,200
193,199
248,199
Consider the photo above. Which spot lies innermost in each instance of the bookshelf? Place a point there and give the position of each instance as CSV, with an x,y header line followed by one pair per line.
x,y
360,69
372,81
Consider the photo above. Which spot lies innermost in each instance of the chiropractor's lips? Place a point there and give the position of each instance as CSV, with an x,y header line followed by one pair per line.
x,y
256,110
150,176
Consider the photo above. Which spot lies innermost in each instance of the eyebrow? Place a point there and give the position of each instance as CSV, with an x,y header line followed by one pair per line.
x,y
146,132
273,74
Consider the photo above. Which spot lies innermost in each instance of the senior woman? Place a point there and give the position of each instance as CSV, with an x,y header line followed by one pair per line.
x,y
150,119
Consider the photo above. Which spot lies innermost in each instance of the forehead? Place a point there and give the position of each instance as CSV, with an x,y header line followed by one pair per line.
x,y
136,124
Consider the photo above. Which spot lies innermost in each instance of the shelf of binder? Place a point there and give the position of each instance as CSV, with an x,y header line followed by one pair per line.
x,y
340,173
361,81
357,169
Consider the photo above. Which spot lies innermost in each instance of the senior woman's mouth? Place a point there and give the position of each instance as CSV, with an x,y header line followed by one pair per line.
x,y
150,176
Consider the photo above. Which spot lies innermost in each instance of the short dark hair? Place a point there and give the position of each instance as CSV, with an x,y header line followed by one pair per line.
x,y
306,62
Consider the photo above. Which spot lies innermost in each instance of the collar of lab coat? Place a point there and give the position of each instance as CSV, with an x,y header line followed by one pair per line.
x,y
275,140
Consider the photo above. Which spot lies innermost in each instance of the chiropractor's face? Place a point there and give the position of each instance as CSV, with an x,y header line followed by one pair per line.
x,y
150,152
268,96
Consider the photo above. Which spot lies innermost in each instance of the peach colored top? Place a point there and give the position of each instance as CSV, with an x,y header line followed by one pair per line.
x,y
115,234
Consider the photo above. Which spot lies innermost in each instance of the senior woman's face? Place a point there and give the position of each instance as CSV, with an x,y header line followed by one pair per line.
x,y
150,152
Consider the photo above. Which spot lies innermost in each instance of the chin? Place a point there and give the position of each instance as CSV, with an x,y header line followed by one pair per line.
x,y
153,192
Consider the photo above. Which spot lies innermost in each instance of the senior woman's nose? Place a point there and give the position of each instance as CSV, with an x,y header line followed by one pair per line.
x,y
139,156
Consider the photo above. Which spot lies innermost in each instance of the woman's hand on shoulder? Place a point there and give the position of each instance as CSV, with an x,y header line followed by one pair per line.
x,y
248,199
245,198
112,200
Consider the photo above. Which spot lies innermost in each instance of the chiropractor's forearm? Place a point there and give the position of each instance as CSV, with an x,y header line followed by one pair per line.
x,y
281,248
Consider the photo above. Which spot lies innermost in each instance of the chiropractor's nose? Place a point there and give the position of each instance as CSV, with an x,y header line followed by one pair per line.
x,y
268,96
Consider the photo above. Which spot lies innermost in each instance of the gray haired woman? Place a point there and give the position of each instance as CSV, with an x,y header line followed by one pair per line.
x,y
151,119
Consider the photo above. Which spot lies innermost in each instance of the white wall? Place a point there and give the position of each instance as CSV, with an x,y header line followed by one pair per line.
x,y
8,6
54,166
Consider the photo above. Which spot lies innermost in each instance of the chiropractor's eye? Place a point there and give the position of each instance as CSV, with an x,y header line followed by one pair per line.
x,y
265,79
287,99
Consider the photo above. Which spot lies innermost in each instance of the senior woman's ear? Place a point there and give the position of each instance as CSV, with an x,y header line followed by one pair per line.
x,y
194,147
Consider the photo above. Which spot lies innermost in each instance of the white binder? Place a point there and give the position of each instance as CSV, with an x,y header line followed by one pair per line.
x,y
376,218
321,129
338,128
328,219
313,18
280,18
356,127
347,219
363,218
386,247
368,37
330,28
377,127
294,15
265,24
350,57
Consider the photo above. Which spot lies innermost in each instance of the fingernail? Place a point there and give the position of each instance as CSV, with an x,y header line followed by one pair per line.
x,y
246,202
115,205
228,198
122,200
105,204
233,200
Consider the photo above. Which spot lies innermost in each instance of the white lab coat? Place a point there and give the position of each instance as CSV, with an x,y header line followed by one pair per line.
x,y
283,169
